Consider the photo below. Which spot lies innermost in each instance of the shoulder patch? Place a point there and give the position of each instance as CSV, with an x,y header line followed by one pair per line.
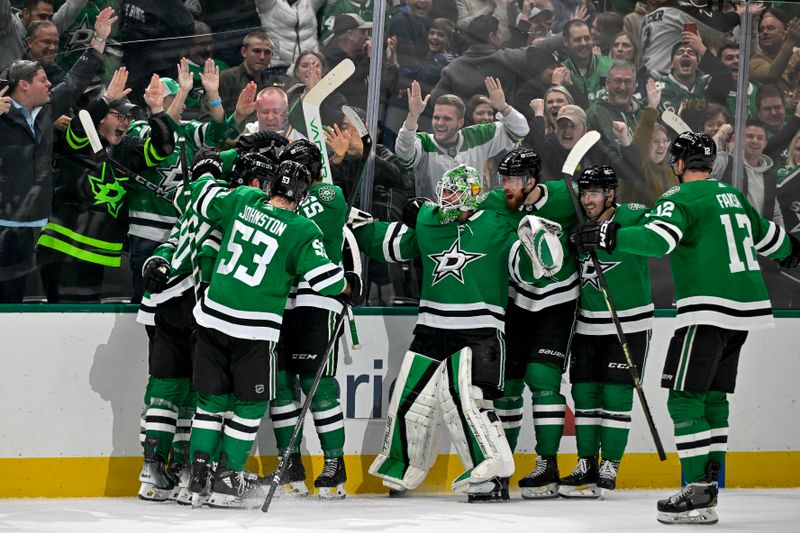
x,y
637,207
326,193
672,190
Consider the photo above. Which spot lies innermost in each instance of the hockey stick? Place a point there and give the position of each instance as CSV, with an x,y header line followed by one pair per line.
x,y
284,462
97,147
311,103
676,123
575,156
366,148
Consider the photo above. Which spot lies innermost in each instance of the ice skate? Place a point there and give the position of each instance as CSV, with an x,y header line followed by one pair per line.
x,y
492,490
582,482
199,481
179,473
608,477
293,480
694,504
543,481
330,482
235,490
157,485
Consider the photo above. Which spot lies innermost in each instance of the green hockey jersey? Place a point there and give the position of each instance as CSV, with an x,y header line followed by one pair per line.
x,y
712,234
264,250
326,206
465,266
554,205
150,216
628,279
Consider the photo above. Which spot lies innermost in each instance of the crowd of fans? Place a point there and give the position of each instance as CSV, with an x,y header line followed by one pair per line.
x,y
461,81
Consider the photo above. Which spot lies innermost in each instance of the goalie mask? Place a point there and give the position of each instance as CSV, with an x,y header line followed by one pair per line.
x,y
252,165
291,181
458,190
306,153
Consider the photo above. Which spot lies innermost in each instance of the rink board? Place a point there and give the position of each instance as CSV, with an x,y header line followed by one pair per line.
x,y
73,386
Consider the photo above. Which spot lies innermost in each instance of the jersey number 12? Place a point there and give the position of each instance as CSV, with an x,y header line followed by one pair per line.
x,y
736,264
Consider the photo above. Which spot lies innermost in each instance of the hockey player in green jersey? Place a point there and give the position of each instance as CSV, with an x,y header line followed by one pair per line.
x,y
712,234
601,383
539,320
305,332
171,288
454,367
265,247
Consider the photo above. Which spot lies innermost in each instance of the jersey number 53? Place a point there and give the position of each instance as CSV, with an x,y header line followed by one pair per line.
x,y
253,239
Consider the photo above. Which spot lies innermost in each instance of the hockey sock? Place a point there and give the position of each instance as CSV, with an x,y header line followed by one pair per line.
x,y
717,415
166,394
143,415
207,424
509,409
617,405
180,444
328,416
588,417
284,412
240,432
692,432
549,405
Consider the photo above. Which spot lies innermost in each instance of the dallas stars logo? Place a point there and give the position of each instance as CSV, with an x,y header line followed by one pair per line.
x,y
452,263
109,193
589,273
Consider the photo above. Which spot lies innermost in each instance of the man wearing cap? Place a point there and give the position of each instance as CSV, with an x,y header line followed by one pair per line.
x,y
531,26
554,146
26,141
351,41
257,49
86,230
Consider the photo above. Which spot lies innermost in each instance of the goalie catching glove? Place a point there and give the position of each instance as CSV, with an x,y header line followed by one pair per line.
x,y
540,237
591,237
155,274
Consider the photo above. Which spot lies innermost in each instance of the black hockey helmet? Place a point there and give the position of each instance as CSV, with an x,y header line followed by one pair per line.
x,y
290,181
602,176
521,162
696,150
306,153
251,165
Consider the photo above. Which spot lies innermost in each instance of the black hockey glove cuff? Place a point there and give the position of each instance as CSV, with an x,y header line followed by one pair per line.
x,y
354,282
411,211
793,259
207,162
155,274
591,237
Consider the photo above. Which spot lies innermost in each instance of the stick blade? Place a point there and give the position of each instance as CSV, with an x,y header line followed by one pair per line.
x,y
355,120
580,150
675,123
91,131
332,80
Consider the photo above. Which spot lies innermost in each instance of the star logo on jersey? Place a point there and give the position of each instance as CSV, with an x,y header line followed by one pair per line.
x,y
452,263
171,175
589,273
326,193
796,228
109,193
80,36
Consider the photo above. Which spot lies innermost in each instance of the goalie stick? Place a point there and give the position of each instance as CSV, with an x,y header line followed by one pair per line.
x,y
676,123
311,103
574,158
97,147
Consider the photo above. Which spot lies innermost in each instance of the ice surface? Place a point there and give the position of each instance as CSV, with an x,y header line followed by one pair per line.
x,y
774,510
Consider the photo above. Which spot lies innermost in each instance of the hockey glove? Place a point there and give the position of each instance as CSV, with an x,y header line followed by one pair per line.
x,y
793,259
155,274
260,142
357,218
354,282
591,237
207,162
411,211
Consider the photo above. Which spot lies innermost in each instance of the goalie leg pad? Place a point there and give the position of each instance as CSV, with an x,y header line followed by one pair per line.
x,y
475,429
408,443
541,239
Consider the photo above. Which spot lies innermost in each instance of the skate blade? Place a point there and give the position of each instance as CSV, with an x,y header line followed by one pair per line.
x,y
588,491
184,497
706,516
540,493
295,489
332,493
604,493
150,493
198,500
226,501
